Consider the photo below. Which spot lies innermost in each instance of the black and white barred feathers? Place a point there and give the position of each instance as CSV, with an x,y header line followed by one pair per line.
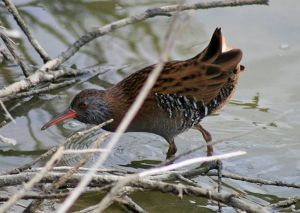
x,y
191,110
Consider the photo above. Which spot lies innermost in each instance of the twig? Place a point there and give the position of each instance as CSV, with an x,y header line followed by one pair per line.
x,y
88,209
32,163
189,162
85,169
219,169
39,91
31,196
125,201
82,151
13,10
130,205
285,203
8,140
106,201
229,199
37,196
255,180
186,180
7,112
62,180
36,78
17,56
81,134
82,161
37,178
6,56
54,149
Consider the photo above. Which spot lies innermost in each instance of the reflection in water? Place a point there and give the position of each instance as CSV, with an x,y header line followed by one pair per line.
x,y
142,164
57,24
254,104
20,153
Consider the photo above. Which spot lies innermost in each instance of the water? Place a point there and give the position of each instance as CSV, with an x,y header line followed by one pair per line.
x,y
267,98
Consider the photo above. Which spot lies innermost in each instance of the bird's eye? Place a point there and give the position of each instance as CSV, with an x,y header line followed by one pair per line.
x,y
83,105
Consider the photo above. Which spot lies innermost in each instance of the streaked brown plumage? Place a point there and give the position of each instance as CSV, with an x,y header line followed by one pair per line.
x,y
185,92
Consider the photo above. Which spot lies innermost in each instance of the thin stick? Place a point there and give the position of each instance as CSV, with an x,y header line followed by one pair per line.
x,y
106,201
13,10
255,180
7,112
62,180
6,55
189,162
17,56
130,205
36,78
37,178
82,161
82,151
54,149
219,168
39,91
8,140
285,203
85,169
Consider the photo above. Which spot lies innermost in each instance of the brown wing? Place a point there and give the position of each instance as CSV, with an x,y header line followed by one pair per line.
x,y
200,77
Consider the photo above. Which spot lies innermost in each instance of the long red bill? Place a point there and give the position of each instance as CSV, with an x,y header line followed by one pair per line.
x,y
67,114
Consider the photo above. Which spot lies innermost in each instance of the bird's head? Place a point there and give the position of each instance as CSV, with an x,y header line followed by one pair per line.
x,y
89,106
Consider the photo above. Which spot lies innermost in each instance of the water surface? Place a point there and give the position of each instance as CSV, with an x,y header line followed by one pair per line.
x,y
267,98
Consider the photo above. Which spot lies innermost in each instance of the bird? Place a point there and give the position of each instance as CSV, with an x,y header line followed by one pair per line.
x,y
185,92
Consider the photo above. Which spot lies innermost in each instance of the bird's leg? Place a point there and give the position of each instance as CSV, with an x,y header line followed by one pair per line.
x,y
207,137
172,149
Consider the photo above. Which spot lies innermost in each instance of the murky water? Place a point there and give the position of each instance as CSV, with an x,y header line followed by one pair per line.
x,y
267,100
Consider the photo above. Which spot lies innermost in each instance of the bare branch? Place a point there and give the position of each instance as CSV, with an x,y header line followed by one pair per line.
x,y
39,91
54,149
189,162
36,78
37,178
285,203
82,151
13,10
229,199
17,56
82,161
7,112
106,201
8,140
255,180
130,204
